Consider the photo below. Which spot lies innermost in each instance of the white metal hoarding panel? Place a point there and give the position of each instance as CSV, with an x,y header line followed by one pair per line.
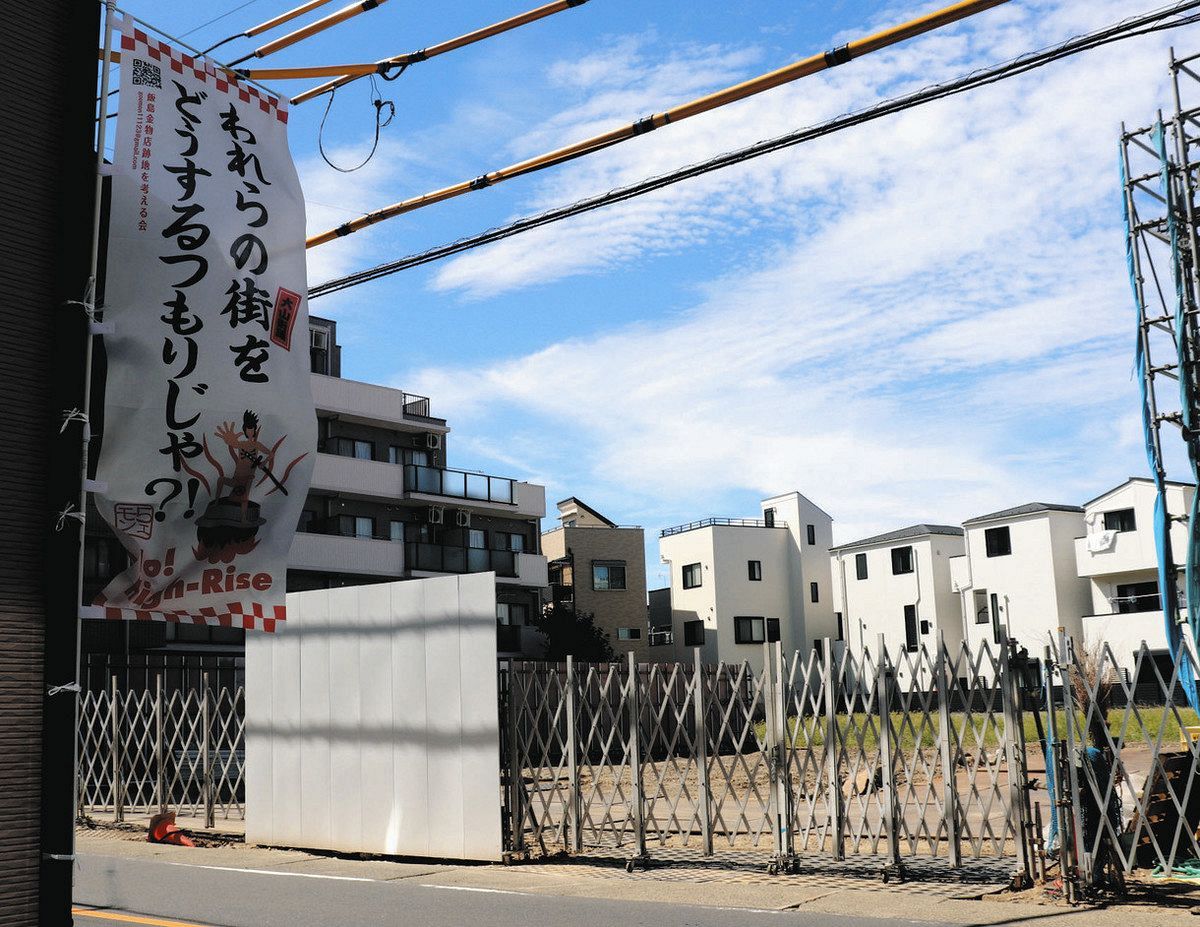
x,y
396,740
209,432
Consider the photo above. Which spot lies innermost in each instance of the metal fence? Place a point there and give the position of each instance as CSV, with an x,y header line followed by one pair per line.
x,y
826,753
144,750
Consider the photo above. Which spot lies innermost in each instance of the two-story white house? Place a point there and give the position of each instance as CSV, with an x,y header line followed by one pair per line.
x,y
1018,577
737,583
1117,558
898,584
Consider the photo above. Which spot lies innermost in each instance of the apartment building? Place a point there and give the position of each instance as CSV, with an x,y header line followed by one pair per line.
x,y
383,505
898,584
1117,560
737,582
1018,578
599,567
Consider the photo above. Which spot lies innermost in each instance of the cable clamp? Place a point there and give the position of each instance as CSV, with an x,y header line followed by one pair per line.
x,y
642,126
65,687
343,230
480,182
571,3
72,415
836,56
418,55
369,5
69,512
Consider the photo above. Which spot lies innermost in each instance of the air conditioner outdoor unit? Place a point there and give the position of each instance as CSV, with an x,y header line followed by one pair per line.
x,y
433,442
462,518
436,515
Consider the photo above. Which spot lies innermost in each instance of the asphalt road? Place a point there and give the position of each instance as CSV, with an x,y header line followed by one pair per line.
x,y
163,893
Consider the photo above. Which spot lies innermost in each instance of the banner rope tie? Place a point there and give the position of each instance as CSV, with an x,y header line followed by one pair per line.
x,y
65,687
72,415
69,512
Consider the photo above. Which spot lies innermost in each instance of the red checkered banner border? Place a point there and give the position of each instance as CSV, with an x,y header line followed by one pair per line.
x,y
235,615
204,70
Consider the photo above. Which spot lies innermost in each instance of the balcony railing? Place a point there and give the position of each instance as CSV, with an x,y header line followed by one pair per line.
x,y
661,637
438,558
459,484
417,406
711,522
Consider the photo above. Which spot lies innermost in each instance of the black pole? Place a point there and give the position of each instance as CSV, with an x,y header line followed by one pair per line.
x,y
74,70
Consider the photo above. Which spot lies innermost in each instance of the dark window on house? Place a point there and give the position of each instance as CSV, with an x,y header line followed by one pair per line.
x,y
1137,597
814,592
772,630
997,635
629,634
1120,520
693,633
307,519
910,628
982,615
396,531
754,570
691,576
364,526
510,540
749,630
512,613
477,538
363,450
812,534
924,626
841,631
998,541
902,560
608,574
860,566
769,518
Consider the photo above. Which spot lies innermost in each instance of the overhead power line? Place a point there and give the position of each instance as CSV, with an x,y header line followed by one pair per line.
x,y
797,70
1141,24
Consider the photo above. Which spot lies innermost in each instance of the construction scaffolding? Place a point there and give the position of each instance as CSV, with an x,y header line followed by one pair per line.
x,y
1159,181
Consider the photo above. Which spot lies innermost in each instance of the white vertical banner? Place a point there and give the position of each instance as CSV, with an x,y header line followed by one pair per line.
x,y
209,431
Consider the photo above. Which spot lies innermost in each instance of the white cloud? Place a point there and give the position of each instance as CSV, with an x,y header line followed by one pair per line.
x,y
937,323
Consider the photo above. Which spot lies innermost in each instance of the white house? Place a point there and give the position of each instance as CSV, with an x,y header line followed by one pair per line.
x,y
737,582
1117,558
898,584
1018,578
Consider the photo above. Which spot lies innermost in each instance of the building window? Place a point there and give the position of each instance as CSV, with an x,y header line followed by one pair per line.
x,y
406,455
812,534
608,574
754,570
772,630
693,633
396,531
910,628
997,541
814,592
997,634
769,518
841,630
1137,597
510,613
749,630
307,519
1120,520
860,566
364,527
476,538
691,576
629,634
902,560
982,615
363,450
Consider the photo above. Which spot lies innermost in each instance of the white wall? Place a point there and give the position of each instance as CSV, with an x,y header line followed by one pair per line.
x,y
809,564
1036,589
372,721
875,605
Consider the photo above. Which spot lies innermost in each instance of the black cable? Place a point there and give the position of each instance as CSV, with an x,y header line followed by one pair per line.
x,y
379,103
224,41
1143,24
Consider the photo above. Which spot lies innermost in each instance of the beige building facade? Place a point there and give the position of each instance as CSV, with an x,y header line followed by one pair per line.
x,y
599,568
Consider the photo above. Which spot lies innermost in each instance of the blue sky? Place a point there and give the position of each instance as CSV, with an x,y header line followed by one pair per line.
x,y
922,319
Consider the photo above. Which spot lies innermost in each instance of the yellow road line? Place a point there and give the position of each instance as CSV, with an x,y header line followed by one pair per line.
x,y
131,918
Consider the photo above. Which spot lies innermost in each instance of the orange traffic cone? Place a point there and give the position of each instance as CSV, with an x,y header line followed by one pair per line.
x,y
163,830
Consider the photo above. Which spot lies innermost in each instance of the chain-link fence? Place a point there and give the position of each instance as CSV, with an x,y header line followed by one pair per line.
x,y
142,750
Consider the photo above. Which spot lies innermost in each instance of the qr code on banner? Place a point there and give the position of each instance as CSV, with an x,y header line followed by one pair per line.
x,y
147,74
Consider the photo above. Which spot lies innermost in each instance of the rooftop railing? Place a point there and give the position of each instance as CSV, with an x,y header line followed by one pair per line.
x,y
720,522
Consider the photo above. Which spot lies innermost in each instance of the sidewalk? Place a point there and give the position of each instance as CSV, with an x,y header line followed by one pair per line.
x,y
853,887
